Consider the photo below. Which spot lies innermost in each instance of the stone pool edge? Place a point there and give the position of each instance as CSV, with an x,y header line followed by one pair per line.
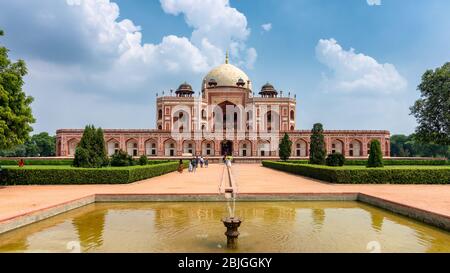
x,y
425,216
34,216
428,217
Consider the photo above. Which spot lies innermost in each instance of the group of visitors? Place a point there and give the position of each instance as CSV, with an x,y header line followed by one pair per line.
x,y
197,161
194,163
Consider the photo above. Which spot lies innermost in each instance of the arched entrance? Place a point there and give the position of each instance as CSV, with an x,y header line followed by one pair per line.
x,y
300,148
355,148
337,146
245,148
208,148
227,147
230,116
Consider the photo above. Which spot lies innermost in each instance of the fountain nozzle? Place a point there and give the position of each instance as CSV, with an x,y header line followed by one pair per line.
x,y
232,224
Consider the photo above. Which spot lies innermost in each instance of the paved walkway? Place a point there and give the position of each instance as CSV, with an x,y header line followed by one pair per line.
x,y
251,178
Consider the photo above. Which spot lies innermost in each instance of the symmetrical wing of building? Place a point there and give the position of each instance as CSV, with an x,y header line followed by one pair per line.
x,y
226,117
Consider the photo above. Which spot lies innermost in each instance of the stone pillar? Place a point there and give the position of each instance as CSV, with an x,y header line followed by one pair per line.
x,y
235,147
160,147
217,148
388,148
122,144
198,147
328,144
364,147
179,148
141,146
62,152
346,147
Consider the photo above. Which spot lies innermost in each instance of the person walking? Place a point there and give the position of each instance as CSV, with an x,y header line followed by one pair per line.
x,y
191,167
229,158
206,162
180,166
194,164
201,162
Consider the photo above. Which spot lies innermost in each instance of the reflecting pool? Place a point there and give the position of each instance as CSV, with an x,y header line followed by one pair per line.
x,y
197,227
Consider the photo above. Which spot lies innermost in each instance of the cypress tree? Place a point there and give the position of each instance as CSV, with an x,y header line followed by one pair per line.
x,y
91,152
317,149
285,147
375,156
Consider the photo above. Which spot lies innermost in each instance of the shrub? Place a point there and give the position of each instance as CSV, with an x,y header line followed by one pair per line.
x,y
336,159
285,147
375,156
121,159
70,175
317,152
366,175
82,158
91,152
143,160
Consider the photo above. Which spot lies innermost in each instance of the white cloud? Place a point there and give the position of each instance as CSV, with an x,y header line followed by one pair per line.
x,y
95,51
217,26
374,2
266,27
356,72
252,55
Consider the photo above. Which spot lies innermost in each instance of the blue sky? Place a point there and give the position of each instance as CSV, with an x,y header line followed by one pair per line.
x,y
352,64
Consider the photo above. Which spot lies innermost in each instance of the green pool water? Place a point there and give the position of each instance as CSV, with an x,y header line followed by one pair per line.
x,y
197,227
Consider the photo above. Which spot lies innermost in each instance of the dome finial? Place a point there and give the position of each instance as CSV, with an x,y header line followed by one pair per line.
x,y
227,58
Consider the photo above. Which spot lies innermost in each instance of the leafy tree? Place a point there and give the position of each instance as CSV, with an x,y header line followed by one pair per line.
x,y
285,147
15,111
44,143
38,145
432,110
317,149
336,159
375,156
409,146
91,152
398,146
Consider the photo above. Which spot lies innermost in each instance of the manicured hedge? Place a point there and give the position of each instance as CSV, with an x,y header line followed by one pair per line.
x,y
55,162
301,161
366,175
154,162
70,175
399,162
388,162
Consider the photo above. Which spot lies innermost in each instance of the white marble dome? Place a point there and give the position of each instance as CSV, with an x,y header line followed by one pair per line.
x,y
226,75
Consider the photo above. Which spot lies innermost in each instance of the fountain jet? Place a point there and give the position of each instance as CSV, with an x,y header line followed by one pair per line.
x,y
231,222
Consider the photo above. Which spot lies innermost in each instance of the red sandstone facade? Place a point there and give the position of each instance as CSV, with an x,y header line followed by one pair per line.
x,y
225,118
157,143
